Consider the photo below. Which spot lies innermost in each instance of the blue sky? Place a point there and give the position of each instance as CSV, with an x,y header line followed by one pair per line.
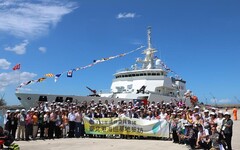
x,y
200,40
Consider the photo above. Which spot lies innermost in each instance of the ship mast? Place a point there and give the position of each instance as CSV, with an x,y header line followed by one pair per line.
x,y
148,62
149,37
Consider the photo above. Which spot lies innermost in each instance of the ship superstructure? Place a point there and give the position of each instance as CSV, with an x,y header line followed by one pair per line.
x,y
149,80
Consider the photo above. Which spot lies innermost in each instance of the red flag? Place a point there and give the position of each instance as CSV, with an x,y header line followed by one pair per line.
x,y
16,67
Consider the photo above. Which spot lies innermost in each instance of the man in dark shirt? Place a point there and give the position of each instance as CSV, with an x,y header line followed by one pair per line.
x,y
227,129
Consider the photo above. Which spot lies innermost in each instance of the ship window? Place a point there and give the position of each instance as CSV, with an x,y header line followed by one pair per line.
x,y
145,74
69,99
59,99
141,74
153,74
137,74
130,75
42,98
158,74
19,98
133,75
149,74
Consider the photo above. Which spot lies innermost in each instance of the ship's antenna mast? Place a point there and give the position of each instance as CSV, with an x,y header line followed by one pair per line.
x,y
149,37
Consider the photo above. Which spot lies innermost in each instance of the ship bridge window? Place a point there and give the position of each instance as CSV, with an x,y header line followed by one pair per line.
x,y
137,74
154,74
141,74
149,74
158,74
145,74
42,99
133,75
59,99
69,99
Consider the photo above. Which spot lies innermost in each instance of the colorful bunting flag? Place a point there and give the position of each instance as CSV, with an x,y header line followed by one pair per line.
x,y
70,73
41,79
50,75
16,67
57,76
28,82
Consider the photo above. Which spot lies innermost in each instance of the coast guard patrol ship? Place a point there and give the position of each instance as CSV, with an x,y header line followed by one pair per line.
x,y
146,80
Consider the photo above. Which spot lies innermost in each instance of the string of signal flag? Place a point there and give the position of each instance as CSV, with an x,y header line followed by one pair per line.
x,y
70,71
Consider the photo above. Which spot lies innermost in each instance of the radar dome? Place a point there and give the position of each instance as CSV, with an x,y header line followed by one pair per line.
x,y
158,64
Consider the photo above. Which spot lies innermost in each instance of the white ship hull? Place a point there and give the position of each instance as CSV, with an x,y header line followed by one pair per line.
x,y
29,100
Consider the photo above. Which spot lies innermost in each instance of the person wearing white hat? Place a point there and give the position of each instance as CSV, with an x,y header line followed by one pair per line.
x,y
213,109
6,120
190,136
202,138
219,120
227,129
21,125
213,118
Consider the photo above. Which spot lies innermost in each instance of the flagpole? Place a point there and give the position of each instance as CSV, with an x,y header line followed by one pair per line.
x,y
19,75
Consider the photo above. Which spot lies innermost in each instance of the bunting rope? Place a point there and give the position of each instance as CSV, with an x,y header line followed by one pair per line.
x,y
70,71
169,70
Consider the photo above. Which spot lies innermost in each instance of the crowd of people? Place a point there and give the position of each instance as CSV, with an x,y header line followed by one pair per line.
x,y
195,126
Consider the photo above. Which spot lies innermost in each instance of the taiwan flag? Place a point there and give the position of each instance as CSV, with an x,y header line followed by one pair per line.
x,y
16,67
70,73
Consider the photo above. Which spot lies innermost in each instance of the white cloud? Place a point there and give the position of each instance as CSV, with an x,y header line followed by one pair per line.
x,y
126,15
42,49
4,64
12,78
32,18
19,49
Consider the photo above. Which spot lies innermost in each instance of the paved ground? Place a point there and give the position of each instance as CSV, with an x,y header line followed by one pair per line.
x,y
93,144
110,144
